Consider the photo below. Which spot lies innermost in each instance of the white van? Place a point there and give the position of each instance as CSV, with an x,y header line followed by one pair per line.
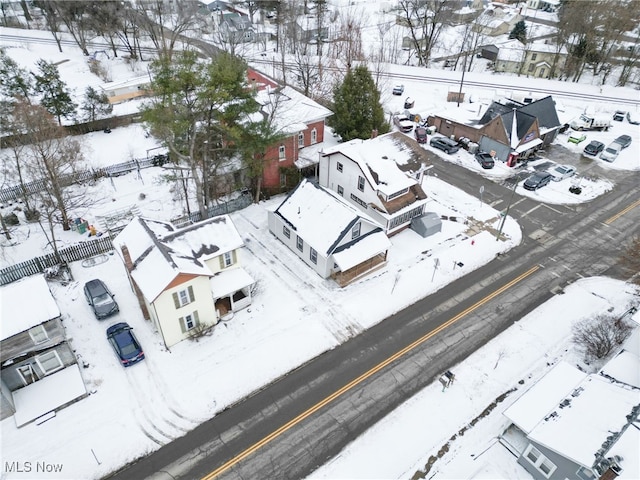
x,y
610,153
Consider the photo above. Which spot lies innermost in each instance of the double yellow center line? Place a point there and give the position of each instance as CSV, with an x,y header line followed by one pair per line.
x,y
612,219
364,376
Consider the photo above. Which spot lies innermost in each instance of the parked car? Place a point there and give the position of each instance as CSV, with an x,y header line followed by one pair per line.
x,y
125,344
577,138
403,123
623,140
594,148
100,299
633,118
537,180
485,160
610,153
445,144
560,172
398,89
619,115
421,134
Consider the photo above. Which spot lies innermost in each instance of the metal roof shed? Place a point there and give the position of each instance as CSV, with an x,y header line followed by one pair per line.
x,y
427,224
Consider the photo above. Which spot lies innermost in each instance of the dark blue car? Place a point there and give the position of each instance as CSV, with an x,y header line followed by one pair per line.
x,y
125,344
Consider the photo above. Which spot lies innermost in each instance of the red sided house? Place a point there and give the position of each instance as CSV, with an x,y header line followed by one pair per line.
x,y
299,119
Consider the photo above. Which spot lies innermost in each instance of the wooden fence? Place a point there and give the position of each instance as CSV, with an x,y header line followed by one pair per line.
x,y
73,253
83,250
19,191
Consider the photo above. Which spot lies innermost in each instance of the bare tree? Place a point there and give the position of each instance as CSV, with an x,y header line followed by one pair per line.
x,y
600,335
52,19
425,20
54,158
166,22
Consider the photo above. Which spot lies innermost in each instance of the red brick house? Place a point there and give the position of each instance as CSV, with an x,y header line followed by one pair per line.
x,y
300,119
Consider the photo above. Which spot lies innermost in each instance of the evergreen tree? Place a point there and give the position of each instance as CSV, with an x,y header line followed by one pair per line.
x,y
519,32
356,106
202,112
95,104
16,84
56,97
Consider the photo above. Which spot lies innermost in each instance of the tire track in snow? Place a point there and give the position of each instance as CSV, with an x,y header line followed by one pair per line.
x,y
341,325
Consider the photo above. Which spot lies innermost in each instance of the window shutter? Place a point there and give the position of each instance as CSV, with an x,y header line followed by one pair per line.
x,y
221,258
234,257
176,301
191,297
196,318
183,327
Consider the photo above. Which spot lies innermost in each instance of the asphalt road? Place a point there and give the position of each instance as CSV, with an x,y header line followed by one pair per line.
x,y
289,428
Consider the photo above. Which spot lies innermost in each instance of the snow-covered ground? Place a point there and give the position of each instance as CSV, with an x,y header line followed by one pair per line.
x,y
131,412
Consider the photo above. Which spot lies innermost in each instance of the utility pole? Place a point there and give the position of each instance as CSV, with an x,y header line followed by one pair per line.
x,y
504,218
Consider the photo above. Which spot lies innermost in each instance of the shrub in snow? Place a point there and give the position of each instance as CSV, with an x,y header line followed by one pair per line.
x,y
597,337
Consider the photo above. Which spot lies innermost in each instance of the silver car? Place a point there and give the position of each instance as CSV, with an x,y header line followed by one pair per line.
x,y
610,153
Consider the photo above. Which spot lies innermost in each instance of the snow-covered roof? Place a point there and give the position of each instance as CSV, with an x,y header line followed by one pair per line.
x,y
362,250
581,424
141,80
537,402
627,448
229,281
19,311
318,215
292,111
625,368
378,159
160,252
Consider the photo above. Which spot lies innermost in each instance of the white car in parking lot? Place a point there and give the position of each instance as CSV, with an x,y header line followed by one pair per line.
x,y
560,172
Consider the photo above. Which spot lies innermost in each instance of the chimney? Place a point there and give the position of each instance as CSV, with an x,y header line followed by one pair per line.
x,y
128,265
612,472
374,133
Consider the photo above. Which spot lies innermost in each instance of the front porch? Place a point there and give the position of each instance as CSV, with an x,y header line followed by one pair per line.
x,y
345,278
231,291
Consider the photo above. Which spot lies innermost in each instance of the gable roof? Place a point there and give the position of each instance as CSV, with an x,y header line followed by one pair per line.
x,y
291,110
19,311
545,111
161,252
380,159
588,422
319,216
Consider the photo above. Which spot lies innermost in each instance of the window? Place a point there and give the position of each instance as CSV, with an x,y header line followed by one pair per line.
x,y
313,255
531,67
361,183
27,374
228,259
539,461
38,334
339,166
359,201
340,190
189,321
49,362
282,152
355,231
286,231
534,56
314,136
299,243
183,297
300,140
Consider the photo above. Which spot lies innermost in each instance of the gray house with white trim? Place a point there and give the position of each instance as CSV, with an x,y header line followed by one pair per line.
x,y
328,234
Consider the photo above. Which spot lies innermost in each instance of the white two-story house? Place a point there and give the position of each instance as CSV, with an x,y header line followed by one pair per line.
x,y
187,278
381,176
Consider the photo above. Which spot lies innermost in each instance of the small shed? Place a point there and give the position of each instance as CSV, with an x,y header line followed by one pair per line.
x,y
427,224
490,52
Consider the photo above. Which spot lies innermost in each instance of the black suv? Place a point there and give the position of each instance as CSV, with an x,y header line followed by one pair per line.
x,y
100,299
485,160
594,148
445,144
